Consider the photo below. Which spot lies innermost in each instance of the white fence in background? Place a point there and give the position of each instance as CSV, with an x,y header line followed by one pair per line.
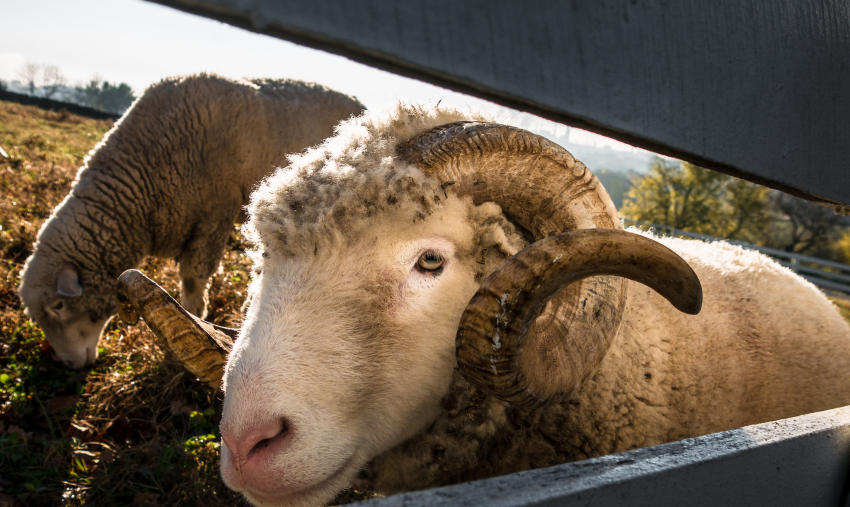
x,y
823,273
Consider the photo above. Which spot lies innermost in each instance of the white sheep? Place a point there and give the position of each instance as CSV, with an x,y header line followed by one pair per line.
x,y
362,357
169,180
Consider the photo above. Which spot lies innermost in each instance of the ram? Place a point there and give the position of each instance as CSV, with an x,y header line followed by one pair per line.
x,y
169,180
439,298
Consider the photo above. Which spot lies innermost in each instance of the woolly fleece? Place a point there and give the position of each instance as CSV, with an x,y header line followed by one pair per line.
x,y
169,180
767,345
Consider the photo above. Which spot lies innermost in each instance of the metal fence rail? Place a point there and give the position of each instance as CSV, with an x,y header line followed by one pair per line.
x,y
822,273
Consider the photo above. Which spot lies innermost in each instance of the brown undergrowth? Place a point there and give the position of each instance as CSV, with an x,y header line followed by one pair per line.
x,y
134,429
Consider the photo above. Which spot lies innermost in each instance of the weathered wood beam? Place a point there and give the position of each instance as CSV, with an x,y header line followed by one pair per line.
x,y
799,461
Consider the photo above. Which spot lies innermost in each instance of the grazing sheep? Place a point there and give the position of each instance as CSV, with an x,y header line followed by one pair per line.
x,y
169,180
362,357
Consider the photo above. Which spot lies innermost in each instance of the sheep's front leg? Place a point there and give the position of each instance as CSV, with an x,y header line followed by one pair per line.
x,y
198,262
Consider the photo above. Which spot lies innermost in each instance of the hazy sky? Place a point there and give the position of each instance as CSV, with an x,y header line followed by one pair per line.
x,y
139,43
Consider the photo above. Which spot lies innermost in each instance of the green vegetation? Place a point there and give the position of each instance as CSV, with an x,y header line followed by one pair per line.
x,y
694,199
108,97
135,429
690,198
48,81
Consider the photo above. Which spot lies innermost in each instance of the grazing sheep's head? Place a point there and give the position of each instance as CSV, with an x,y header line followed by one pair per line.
x,y
369,250
58,297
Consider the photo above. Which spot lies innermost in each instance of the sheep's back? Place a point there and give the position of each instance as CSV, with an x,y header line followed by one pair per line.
x,y
767,345
192,149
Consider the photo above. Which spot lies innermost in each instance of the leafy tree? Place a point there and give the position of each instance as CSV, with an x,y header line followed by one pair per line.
x,y
842,248
92,90
688,197
116,98
102,95
748,209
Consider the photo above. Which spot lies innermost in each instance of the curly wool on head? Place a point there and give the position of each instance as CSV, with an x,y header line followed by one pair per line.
x,y
334,187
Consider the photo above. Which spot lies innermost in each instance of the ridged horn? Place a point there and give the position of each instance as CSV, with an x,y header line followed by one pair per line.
x,y
490,348
541,187
200,346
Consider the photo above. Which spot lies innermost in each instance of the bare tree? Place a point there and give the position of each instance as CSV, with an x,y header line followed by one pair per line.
x,y
29,73
53,79
803,227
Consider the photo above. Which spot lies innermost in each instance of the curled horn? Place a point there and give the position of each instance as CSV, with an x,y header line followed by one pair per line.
x,y
541,324
201,347
490,350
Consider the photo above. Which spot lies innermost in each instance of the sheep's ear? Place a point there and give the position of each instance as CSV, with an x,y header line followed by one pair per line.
x,y
68,284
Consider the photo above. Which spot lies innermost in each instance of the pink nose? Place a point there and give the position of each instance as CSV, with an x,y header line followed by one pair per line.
x,y
251,447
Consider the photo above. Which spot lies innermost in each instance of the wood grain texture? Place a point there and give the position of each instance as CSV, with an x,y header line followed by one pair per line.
x,y
759,90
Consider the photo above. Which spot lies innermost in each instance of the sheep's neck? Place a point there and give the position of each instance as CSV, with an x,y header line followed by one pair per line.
x,y
475,437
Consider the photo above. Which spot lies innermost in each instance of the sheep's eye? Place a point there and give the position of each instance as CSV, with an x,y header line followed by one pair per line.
x,y
430,261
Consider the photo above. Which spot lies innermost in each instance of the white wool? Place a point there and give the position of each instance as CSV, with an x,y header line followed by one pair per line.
x,y
349,177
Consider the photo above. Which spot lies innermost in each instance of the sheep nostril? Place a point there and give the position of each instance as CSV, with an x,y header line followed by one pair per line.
x,y
282,431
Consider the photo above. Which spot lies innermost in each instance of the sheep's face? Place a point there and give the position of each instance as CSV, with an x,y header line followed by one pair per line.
x,y
348,348
56,301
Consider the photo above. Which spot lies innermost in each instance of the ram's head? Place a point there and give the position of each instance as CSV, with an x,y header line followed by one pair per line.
x,y
384,266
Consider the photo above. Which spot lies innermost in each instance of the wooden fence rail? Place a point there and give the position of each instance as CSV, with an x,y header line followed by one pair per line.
x,y
802,461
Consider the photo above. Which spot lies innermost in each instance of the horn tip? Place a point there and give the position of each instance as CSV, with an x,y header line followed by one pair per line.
x,y
125,295
129,276
691,305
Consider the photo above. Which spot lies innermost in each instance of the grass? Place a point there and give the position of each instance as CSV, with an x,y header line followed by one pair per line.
x,y
134,429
